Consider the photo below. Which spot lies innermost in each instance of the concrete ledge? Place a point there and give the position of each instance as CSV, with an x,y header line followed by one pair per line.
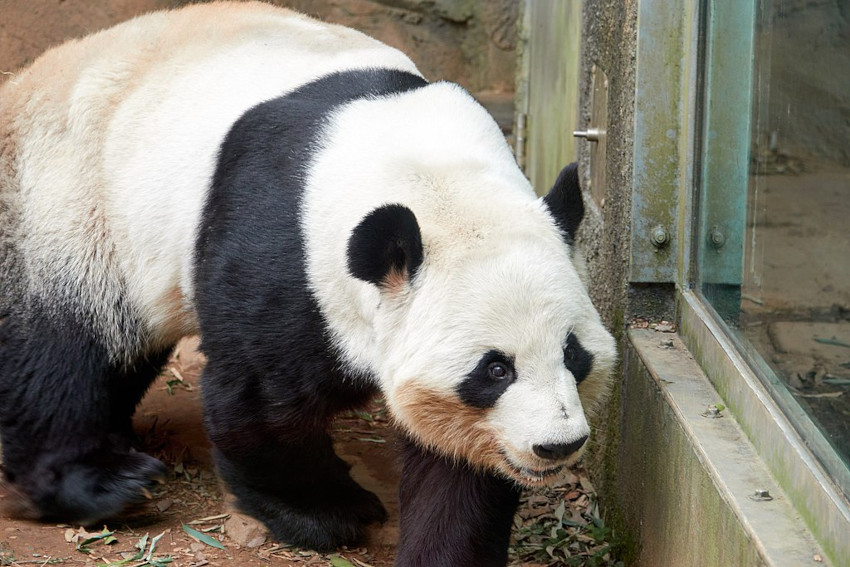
x,y
685,481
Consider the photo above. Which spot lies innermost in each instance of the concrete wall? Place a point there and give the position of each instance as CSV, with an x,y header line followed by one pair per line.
x,y
610,36
609,41
665,498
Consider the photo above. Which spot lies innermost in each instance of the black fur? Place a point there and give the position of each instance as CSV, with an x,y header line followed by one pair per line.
x,y
452,516
577,359
387,240
565,202
65,412
273,381
482,388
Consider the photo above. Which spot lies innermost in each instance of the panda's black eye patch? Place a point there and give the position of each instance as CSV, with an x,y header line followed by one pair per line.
x,y
577,360
488,381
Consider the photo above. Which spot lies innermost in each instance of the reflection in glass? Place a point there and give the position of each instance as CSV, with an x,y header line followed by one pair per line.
x,y
784,228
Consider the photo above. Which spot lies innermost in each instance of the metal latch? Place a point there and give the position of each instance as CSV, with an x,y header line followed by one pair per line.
x,y
591,134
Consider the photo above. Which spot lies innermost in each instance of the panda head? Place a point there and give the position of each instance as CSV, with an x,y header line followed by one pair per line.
x,y
491,353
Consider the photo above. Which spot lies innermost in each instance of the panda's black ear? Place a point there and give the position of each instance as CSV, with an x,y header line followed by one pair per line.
x,y
565,202
386,247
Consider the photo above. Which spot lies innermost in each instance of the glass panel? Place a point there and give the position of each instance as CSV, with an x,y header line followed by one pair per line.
x,y
773,252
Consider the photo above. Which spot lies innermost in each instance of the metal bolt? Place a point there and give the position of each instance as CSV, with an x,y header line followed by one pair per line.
x,y
660,237
716,237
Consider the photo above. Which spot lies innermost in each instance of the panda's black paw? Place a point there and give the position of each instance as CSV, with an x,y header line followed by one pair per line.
x,y
93,489
327,522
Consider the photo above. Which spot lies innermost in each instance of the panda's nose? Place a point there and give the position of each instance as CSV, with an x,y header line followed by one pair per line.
x,y
554,452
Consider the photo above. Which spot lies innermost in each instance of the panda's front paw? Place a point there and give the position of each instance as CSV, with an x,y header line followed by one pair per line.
x,y
93,489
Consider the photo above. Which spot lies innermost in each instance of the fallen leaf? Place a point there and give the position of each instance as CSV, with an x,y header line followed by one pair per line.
x,y
203,538
833,342
824,395
105,535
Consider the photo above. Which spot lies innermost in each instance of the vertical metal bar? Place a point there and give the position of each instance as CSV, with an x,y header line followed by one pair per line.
x,y
662,52
726,143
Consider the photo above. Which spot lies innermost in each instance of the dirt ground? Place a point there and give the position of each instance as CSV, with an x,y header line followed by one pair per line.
x,y
169,422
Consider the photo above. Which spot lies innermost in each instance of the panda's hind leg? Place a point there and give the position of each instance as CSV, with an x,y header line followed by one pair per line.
x,y
65,422
274,453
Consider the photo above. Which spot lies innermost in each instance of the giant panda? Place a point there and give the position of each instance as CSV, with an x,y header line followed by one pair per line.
x,y
334,226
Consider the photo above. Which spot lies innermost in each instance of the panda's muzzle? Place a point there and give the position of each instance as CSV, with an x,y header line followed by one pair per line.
x,y
533,476
459,430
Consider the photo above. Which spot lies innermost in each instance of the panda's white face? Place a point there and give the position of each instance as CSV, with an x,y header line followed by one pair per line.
x,y
494,356
440,273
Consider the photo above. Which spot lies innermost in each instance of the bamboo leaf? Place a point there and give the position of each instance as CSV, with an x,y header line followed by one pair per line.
x,y
104,535
149,556
201,537
833,342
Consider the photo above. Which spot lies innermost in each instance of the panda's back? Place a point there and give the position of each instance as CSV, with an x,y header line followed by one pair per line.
x,y
110,143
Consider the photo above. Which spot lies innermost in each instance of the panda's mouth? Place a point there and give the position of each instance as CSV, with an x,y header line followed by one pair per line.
x,y
532,476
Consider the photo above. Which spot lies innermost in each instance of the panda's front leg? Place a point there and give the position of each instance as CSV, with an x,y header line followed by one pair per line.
x,y
65,421
276,457
452,515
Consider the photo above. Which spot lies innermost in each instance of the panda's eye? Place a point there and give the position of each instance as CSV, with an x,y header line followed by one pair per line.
x,y
490,378
577,360
497,371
